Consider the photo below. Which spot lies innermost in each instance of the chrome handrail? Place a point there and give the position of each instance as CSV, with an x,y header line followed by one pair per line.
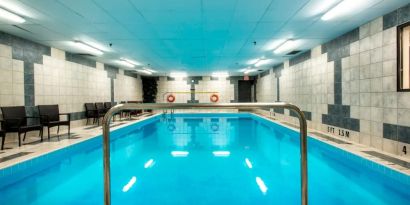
x,y
153,106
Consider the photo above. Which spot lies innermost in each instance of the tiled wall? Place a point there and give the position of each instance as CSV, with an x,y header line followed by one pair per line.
x,y
32,74
349,84
225,88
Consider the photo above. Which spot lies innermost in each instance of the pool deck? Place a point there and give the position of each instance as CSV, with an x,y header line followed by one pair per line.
x,y
32,147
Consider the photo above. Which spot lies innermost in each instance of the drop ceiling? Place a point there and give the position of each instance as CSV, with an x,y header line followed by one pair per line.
x,y
196,36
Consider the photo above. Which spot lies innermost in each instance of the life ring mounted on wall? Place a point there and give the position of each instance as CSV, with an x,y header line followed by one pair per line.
x,y
214,98
170,98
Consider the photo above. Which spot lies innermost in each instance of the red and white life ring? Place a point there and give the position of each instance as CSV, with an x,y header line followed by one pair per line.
x,y
170,98
214,98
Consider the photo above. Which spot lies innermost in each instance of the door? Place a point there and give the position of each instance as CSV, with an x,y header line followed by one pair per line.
x,y
244,91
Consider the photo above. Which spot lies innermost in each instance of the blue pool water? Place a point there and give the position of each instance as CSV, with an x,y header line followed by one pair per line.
x,y
202,159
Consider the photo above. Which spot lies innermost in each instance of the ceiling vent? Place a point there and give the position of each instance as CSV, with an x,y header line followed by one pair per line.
x,y
293,53
85,54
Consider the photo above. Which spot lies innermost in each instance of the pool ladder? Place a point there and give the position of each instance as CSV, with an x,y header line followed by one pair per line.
x,y
173,106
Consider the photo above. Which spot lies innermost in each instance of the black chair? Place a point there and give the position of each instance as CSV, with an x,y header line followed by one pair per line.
x,y
100,111
16,120
50,117
2,135
90,112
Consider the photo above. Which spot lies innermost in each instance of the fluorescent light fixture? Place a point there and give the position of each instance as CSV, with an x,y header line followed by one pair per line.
x,y
88,48
319,7
261,185
7,15
150,70
285,47
248,163
149,164
220,74
221,153
253,61
263,62
179,153
144,71
347,7
178,74
249,71
132,62
125,63
129,184
272,45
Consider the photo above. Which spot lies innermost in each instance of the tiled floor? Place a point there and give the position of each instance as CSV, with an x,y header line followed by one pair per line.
x,y
33,148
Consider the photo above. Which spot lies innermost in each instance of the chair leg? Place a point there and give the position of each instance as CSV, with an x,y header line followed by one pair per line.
x,y
2,141
19,139
58,129
40,134
24,138
86,122
68,131
48,129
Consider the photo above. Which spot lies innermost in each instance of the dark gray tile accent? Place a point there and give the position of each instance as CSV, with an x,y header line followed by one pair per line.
x,y
80,59
389,158
14,156
216,78
403,14
300,58
77,116
130,73
112,71
340,121
29,52
390,20
330,138
278,67
396,132
279,110
308,115
403,134
264,73
389,131
396,17
170,78
341,41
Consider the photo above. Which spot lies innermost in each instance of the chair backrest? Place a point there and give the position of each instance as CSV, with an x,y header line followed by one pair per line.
x,y
100,106
107,105
89,107
51,111
14,115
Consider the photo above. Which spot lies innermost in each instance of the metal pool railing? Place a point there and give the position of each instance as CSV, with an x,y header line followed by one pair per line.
x,y
155,106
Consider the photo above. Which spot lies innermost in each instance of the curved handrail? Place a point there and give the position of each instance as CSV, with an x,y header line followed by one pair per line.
x,y
153,106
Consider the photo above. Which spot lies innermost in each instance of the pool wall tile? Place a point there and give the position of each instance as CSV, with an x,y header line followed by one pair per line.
x,y
348,81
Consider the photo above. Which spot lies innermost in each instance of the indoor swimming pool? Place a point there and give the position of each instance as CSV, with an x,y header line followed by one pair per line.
x,y
184,159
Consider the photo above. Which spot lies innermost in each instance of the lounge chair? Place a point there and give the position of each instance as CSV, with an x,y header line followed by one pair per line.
x,y
15,120
50,117
90,112
100,111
